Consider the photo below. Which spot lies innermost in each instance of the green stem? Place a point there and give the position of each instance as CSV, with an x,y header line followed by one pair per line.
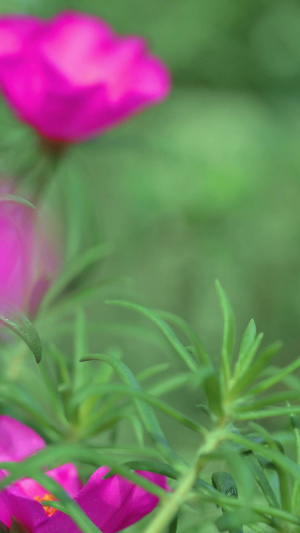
x,y
172,504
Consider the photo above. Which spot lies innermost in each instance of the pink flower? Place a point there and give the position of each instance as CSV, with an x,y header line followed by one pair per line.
x,y
112,504
28,262
71,77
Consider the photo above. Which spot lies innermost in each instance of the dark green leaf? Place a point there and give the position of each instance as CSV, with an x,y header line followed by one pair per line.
x,y
16,527
224,483
172,528
3,528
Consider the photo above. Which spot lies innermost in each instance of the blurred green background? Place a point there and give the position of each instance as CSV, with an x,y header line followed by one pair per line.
x,y
205,185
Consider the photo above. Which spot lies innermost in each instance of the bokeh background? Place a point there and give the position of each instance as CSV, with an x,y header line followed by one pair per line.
x,y
205,185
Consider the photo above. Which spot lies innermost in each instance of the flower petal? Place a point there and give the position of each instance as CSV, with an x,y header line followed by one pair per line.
x,y
15,31
17,440
27,511
112,504
74,78
67,476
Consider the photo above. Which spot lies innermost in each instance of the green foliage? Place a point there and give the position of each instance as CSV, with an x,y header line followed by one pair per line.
x,y
259,484
205,185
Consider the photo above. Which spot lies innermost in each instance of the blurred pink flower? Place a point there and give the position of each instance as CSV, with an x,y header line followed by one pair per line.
x,y
71,77
28,260
112,504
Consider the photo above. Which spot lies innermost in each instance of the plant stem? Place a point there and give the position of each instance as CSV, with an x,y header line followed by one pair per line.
x,y
172,504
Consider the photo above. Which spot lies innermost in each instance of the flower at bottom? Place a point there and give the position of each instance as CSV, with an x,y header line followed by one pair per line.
x,y
112,504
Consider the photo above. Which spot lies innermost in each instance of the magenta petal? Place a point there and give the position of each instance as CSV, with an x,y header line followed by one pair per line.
x,y
15,31
17,440
26,510
112,504
4,505
28,264
71,77
66,475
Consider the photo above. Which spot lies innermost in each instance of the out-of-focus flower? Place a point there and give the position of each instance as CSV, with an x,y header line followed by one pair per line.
x,y
28,261
71,77
112,504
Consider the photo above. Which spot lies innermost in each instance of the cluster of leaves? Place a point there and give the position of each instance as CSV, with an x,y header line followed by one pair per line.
x,y
84,399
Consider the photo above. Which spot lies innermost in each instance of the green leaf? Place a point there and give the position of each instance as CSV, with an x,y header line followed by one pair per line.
x,y
153,371
246,355
172,527
267,482
3,528
153,466
16,527
228,334
187,330
147,416
267,413
247,339
272,399
12,199
178,380
233,521
73,270
100,389
262,361
224,483
54,455
76,300
16,395
270,382
213,393
165,329
273,455
21,326
80,375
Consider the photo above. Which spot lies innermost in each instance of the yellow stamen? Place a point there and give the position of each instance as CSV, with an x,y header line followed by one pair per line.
x,y
47,498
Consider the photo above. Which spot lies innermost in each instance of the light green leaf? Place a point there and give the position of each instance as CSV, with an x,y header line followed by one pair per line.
x,y
212,389
147,416
270,382
74,269
21,326
153,466
187,330
247,353
233,521
247,339
228,335
12,199
165,329
256,368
